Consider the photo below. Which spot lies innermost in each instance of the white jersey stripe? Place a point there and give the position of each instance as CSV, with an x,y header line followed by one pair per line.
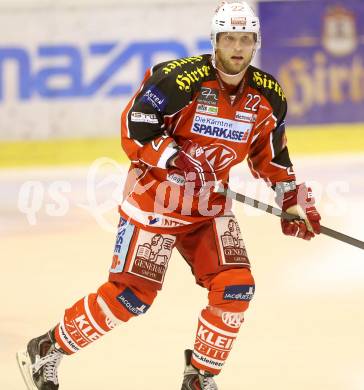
x,y
105,308
207,361
216,329
91,317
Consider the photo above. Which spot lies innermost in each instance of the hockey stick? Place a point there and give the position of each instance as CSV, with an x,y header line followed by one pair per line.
x,y
279,213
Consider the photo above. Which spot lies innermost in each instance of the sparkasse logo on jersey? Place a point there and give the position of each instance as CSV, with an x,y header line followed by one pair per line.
x,y
221,128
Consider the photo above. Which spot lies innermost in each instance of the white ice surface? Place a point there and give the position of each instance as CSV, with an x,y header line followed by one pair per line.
x,y
304,329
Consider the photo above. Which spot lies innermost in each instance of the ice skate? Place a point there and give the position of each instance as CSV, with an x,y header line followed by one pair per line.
x,y
193,379
39,362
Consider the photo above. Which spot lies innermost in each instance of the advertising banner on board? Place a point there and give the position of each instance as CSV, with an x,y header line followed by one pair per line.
x,y
316,51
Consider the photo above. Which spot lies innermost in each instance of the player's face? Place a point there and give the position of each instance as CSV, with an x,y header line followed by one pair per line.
x,y
234,51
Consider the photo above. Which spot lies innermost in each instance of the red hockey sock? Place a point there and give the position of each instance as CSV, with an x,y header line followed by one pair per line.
x,y
82,324
214,340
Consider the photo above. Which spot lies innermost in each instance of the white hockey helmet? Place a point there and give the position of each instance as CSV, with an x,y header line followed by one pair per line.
x,y
235,17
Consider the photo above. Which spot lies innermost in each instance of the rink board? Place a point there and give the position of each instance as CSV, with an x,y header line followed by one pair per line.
x,y
301,140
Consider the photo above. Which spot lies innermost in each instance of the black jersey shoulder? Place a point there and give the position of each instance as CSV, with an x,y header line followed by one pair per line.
x,y
170,87
269,87
177,82
185,74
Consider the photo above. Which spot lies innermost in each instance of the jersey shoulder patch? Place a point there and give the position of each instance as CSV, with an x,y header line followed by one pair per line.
x,y
269,87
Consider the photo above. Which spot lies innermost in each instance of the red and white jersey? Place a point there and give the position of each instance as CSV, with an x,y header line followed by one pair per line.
x,y
184,100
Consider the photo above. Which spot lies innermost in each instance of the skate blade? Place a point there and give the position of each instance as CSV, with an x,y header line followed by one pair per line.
x,y
25,367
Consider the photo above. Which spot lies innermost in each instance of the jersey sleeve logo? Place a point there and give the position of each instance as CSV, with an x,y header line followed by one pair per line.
x,y
186,79
262,80
155,98
142,117
179,63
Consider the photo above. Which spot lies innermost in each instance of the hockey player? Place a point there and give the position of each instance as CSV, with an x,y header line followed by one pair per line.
x,y
189,123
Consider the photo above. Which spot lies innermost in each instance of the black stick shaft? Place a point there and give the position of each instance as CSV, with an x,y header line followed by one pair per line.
x,y
279,213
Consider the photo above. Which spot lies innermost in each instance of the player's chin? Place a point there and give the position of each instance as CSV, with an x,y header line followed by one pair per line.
x,y
237,66
233,69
